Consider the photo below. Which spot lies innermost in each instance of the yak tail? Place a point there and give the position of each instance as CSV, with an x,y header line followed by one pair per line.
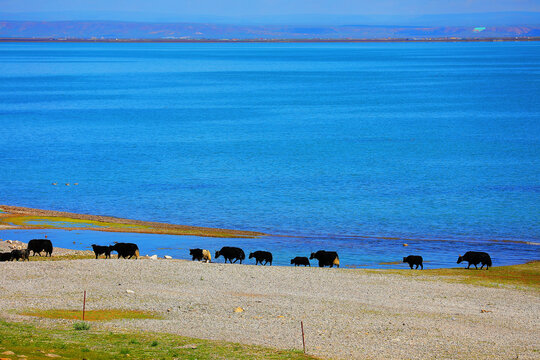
x,y
137,254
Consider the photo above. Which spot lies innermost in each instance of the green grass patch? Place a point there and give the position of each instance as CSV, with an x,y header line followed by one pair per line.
x,y
81,326
36,342
525,276
91,315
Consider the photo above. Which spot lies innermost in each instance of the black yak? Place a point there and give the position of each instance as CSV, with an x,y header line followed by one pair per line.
x,y
39,245
300,260
126,250
326,258
475,258
8,256
200,254
20,254
261,256
230,253
414,260
98,250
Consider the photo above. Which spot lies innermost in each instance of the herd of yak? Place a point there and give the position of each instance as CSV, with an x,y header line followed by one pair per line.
x,y
325,258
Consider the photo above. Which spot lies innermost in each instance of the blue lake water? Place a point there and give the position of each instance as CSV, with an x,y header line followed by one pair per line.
x,y
323,142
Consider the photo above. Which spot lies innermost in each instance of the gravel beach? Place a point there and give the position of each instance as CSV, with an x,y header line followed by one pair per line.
x,y
347,314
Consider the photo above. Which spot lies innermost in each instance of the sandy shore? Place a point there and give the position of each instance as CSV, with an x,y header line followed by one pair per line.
x,y
347,314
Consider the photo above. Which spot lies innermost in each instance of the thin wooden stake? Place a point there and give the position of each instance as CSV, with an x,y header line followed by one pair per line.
x,y
303,337
84,305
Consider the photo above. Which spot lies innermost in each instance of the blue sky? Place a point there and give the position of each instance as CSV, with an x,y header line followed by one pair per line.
x,y
321,12
273,7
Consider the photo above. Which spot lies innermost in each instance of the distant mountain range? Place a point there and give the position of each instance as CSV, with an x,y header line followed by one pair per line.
x,y
144,30
509,18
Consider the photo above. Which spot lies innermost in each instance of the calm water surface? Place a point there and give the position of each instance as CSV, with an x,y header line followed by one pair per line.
x,y
325,142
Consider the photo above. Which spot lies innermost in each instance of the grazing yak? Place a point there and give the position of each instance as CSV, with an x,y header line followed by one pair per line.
x,y
230,253
261,256
99,250
300,260
6,256
326,258
475,258
20,254
200,254
414,260
126,250
39,245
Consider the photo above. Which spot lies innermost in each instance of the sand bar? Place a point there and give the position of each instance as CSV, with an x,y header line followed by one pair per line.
x,y
16,217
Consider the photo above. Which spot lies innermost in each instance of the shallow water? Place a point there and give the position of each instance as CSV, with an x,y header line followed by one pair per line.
x,y
326,141
353,252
